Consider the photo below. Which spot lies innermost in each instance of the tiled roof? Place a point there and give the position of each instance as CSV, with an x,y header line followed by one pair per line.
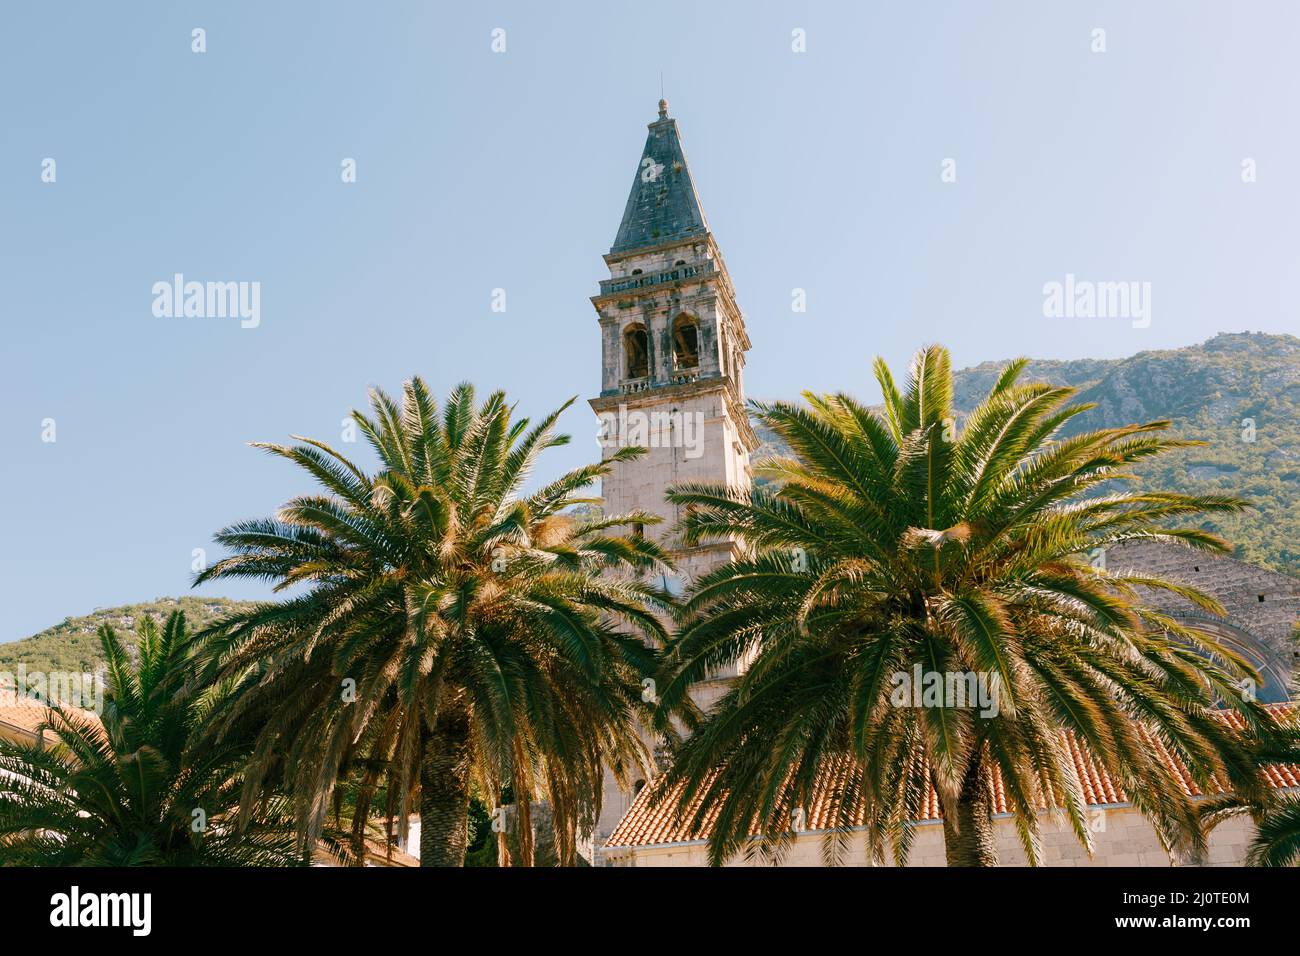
x,y
650,825
20,716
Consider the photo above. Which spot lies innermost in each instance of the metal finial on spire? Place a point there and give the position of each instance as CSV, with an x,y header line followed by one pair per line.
x,y
663,109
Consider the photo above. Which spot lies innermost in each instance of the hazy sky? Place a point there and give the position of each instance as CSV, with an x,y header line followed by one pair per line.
x,y
479,170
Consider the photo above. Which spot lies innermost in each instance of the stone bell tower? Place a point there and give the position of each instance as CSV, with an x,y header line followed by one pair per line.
x,y
673,347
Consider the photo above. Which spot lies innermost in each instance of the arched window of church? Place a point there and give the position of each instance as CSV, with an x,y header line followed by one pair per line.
x,y
636,352
686,343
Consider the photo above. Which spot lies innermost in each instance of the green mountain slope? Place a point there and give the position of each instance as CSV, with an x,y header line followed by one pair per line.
x,y
1239,393
73,645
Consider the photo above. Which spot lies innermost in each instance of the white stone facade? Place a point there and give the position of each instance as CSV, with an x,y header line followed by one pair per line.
x,y
1121,837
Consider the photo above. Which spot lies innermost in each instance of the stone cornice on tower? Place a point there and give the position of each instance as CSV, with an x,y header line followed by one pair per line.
x,y
669,393
707,263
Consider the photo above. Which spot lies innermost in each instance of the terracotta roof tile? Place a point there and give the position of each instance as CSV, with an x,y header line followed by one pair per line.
x,y
20,716
647,825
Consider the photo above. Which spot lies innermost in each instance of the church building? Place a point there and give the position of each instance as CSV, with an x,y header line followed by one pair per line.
x,y
673,346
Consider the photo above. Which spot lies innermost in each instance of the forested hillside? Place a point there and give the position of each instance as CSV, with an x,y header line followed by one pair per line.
x,y
73,644
1239,393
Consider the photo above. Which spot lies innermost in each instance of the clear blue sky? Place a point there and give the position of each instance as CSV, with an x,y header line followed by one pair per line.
x,y
479,170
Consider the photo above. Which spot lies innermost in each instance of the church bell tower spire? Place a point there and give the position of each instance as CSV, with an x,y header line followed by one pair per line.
x,y
673,346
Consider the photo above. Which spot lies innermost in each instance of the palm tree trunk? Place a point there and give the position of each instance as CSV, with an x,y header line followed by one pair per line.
x,y
444,790
968,830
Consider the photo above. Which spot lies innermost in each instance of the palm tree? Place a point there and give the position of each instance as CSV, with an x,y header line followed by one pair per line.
x,y
132,789
895,542
447,629
1276,817
1277,836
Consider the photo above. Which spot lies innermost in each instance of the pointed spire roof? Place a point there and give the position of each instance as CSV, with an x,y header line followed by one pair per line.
x,y
663,205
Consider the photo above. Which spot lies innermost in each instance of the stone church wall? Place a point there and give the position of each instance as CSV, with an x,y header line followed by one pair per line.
x,y
1121,837
1263,604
